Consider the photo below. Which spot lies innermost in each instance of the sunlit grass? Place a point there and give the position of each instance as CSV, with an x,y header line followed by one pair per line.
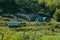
x,y
17,33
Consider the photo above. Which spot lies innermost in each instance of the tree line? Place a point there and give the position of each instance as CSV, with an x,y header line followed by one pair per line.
x,y
49,8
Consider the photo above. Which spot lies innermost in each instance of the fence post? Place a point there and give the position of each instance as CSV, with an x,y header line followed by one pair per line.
x,y
2,36
23,36
35,34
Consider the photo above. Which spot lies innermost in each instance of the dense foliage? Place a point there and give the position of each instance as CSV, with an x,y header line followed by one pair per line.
x,y
47,8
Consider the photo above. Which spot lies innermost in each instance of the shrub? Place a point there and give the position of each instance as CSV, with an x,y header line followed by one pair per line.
x,y
57,15
57,26
3,23
22,24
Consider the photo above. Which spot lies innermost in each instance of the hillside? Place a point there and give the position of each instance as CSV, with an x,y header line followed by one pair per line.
x,y
48,8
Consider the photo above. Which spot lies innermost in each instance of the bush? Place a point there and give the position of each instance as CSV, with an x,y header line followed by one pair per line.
x,y
57,26
22,24
3,23
57,15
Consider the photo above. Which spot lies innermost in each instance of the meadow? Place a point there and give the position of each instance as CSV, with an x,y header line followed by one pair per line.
x,y
30,30
33,31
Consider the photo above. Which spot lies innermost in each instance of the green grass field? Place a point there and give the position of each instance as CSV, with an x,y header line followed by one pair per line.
x,y
18,33
32,31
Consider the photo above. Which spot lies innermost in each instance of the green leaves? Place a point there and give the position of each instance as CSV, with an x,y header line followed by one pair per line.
x,y
57,14
28,6
2,1
45,7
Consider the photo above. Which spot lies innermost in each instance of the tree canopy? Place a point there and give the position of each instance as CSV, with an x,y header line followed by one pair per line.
x,y
41,7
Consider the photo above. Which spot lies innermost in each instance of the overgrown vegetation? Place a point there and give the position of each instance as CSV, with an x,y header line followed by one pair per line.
x,y
49,8
44,30
35,31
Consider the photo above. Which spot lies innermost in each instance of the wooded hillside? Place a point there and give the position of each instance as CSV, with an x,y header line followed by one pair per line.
x,y
49,8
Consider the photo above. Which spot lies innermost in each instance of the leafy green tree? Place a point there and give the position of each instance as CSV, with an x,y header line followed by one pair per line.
x,y
2,1
10,7
57,14
28,6
46,8
43,7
